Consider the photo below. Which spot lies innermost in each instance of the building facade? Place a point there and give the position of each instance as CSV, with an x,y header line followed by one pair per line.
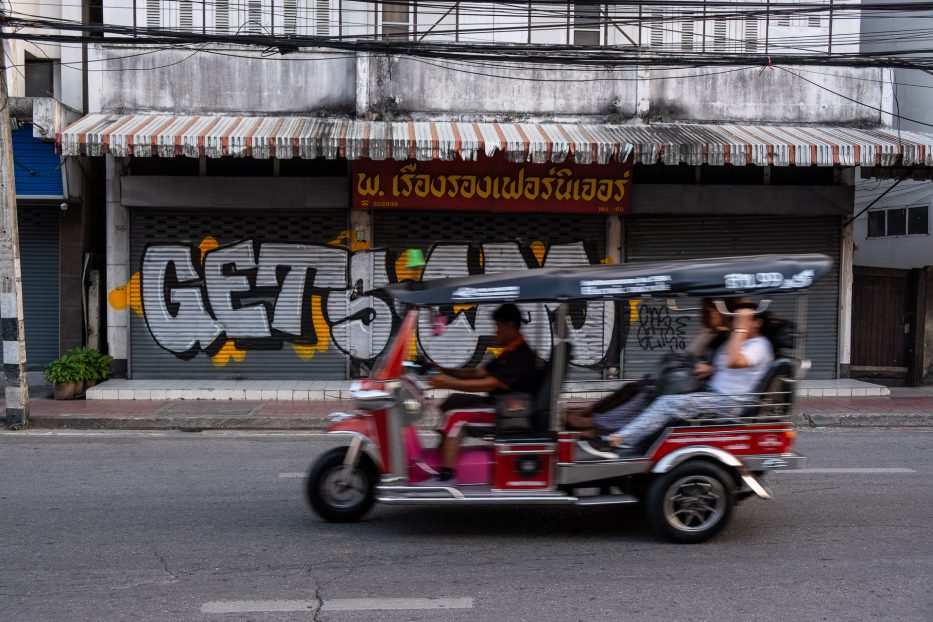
x,y
247,236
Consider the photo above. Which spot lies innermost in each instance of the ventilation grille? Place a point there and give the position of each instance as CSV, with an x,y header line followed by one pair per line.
x,y
185,15
322,18
686,34
720,32
751,35
222,15
290,16
254,18
657,29
153,13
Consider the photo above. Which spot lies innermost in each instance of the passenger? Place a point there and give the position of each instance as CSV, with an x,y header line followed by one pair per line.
x,y
738,367
513,370
619,408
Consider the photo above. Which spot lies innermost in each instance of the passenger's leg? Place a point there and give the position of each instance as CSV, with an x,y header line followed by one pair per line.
x,y
622,414
662,411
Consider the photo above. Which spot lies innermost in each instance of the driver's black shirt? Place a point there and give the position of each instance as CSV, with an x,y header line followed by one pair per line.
x,y
515,367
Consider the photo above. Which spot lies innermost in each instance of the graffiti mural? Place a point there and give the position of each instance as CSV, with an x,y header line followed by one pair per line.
x,y
225,300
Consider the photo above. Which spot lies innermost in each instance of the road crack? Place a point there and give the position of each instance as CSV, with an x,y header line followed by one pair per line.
x,y
318,603
165,567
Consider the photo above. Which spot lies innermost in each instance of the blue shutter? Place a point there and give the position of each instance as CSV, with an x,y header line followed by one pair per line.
x,y
38,168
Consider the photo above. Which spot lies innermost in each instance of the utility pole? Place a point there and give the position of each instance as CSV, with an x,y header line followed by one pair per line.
x,y
11,290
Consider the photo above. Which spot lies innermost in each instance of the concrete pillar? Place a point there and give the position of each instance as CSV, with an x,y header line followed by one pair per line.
x,y
362,85
846,257
16,391
118,270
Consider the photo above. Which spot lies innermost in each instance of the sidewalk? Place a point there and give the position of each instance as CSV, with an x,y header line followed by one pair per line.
x,y
196,415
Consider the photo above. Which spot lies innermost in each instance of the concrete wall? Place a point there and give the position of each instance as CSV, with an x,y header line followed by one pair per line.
x,y
390,88
909,251
770,95
226,81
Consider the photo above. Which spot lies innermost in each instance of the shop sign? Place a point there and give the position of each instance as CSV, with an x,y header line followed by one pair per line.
x,y
492,184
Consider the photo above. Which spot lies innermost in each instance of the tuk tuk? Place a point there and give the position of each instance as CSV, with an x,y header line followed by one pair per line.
x,y
689,479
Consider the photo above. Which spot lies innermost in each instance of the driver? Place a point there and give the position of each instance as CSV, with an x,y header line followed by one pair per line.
x,y
512,371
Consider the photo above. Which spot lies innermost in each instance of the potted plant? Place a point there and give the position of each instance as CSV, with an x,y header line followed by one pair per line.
x,y
65,377
92,366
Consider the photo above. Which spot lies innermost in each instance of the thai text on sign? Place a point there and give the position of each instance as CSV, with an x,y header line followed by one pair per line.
x,y
492,184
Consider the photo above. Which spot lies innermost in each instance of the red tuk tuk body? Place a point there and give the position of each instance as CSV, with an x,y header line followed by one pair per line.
x,y
689,480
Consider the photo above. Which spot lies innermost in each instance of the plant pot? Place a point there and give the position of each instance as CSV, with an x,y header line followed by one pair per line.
x,y
65,390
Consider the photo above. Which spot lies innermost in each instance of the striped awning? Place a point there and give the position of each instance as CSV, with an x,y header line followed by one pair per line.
x,y
142,135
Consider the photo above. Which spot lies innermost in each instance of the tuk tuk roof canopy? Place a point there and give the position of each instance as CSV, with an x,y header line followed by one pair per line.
x,y
216,136
721,277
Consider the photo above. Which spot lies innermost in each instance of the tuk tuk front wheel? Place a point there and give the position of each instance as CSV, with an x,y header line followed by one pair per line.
x,y
340,493
690,503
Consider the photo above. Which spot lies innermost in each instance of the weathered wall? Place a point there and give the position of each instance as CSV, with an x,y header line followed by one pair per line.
x,y
236,81
392,88
769,96
400,86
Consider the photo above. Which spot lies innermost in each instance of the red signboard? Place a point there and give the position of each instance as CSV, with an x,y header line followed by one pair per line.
x,y
492,185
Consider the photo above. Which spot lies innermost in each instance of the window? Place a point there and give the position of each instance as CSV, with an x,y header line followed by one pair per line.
x,y
899,221
918,220
876,226
395,20
585,23
38,76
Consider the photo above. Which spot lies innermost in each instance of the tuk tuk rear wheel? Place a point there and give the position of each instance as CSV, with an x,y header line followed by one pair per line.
x,y
339,493
690,503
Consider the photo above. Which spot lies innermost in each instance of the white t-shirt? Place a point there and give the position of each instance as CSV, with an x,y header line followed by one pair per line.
x,y
759,354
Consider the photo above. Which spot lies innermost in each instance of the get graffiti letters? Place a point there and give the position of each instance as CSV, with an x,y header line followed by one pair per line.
x,y
257,300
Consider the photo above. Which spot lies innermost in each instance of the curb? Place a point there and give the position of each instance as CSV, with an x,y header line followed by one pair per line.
x,y
864,420
183,423
197,423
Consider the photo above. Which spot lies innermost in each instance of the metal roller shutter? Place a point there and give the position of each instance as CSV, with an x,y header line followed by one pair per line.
x,y
38,241
216,301
458,244
655,331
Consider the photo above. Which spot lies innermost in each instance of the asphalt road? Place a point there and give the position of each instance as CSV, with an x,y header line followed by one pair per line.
x,y
176,526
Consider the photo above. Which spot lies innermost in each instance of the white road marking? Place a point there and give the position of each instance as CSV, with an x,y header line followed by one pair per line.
x,y
256,606
295,475
848,470
385,604
337,604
